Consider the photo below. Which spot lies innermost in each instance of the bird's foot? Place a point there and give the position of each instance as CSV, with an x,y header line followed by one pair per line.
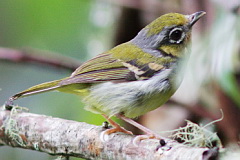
x,y
149,133
139,138
105,134
116,128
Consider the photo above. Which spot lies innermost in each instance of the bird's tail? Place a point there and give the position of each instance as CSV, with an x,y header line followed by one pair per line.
x,y
44,87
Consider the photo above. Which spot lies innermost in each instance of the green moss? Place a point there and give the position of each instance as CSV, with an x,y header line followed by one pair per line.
x,y
11,129
197,136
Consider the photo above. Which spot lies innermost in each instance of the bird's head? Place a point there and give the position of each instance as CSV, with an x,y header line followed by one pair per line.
x,y
170,33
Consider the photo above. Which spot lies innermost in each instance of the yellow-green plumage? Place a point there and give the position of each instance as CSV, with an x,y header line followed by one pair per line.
x,y
166,20
134,52
134,77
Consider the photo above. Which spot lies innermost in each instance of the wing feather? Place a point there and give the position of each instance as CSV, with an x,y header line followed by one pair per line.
x,y
99,69
112,66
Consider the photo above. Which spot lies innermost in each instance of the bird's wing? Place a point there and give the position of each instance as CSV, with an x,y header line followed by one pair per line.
x,y
99,69
112,66
106,68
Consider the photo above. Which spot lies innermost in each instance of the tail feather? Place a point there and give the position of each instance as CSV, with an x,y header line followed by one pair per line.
x,y
44,87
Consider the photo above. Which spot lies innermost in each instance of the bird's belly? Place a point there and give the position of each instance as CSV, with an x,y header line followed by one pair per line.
x,y
147,103
130,98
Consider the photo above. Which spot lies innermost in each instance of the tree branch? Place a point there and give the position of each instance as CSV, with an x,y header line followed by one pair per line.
x,y
41,57
57,136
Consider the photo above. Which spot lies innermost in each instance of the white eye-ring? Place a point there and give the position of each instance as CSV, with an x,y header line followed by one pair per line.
x,y
176,35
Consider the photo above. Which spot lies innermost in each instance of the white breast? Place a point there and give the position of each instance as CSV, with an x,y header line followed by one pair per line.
x,y
131,98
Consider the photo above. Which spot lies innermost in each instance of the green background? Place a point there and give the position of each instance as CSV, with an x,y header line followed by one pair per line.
x,y
70,28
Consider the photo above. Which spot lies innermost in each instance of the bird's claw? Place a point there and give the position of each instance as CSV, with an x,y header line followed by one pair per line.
x,y
104,136
139,138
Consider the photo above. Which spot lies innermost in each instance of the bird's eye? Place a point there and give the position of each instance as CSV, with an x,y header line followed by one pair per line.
x,y
176,35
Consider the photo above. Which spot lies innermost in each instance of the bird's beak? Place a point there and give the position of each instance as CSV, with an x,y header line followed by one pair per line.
x,y
193,18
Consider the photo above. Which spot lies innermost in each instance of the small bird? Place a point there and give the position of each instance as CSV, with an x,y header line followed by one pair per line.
x,y
132,78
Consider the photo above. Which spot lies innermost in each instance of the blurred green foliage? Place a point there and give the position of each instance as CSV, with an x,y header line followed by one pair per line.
x,y
65,27
50,25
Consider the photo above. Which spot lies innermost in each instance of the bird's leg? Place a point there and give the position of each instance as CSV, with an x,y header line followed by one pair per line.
x,y
139,126
116,127
150,133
